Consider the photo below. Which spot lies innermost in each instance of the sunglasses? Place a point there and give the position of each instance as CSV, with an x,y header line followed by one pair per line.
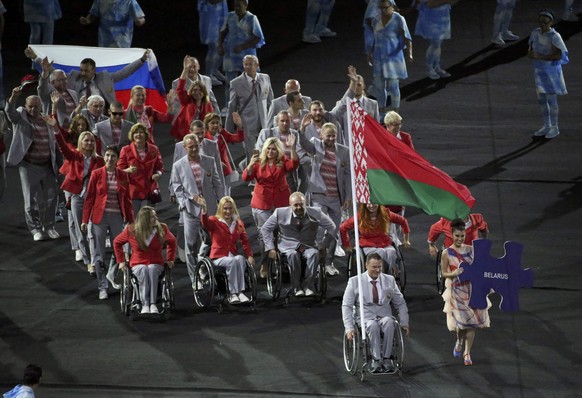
x,y
117,113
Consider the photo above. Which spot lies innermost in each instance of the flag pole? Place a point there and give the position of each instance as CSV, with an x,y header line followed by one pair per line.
x,y
356,250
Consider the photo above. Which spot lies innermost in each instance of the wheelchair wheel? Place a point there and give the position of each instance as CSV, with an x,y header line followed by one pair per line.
x,y
397,346
440,280
204,283
352,353
251,282
321,280
168,289
401,277
274,277
126,293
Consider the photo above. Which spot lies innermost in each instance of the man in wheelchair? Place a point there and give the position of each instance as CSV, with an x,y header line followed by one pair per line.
x,y
379,291
297,227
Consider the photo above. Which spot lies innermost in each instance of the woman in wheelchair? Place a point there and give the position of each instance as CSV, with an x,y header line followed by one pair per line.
x,y
146,238
226,229
374,226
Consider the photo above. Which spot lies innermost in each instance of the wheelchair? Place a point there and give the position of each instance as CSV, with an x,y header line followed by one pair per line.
x,y
400,265
129,299
211,283
358,356
279,273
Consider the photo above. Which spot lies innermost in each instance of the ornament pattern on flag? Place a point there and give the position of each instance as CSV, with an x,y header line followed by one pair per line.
x,y
360,154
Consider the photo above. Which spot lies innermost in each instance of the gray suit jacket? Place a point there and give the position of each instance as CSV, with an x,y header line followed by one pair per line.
x,y
207,83
254,115
388,293
369,105
290,236
102,130
23,136
103,80
208,148
316,148
44,92
311,130
184,185
279,104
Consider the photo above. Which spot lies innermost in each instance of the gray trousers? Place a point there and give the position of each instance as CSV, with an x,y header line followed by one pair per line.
x,y
147,277
261,216
333,208
311,257
39,190
381,347
138,204
71,224
112,222
235,271
81,237
191,234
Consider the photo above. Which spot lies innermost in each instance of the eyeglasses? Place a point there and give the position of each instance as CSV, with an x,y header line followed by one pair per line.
x,y
395,124
116,113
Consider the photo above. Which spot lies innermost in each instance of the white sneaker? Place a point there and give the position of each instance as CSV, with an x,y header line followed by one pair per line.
x,y
107,242
91,269
331,270
38,236
442,72
103,295
570,16
111,279
145,309
243,298
299,293
313,39
542,132
52,233
433,75
553,133
154,309
327,32
496,39
509,36
309,293
78,255
234,298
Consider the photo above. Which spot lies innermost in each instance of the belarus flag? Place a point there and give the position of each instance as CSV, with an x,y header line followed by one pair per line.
x,y
68,58
388,172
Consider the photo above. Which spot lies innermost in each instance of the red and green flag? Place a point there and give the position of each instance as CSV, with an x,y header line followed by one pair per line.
x,y
386,171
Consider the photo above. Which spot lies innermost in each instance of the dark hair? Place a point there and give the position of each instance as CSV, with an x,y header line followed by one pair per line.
x,y
116,104
32,375
457,225
291,96
373,256
112,148
89,61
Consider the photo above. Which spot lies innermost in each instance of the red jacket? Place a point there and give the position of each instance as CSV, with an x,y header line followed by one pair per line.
x,y
375,237
271,189
406,139
140,182
153,253
223,242
96,197
187,112
224,137
74,178
443,226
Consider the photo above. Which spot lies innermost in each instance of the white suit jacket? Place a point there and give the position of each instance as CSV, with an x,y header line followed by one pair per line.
x,y
44,91
102,130
388,294
254,115
290,236
369,105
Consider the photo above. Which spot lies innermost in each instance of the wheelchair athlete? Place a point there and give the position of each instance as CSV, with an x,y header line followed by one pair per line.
x,y
374,226
379,291
297,227
226,229
146,238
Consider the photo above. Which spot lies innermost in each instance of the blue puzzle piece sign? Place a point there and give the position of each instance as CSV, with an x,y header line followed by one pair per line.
x,y
504,275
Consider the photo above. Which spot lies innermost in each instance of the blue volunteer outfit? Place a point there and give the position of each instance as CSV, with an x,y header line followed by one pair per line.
x,y
116,19
240,31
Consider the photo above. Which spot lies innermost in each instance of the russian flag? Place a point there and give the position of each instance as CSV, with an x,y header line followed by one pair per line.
x,y
149,76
